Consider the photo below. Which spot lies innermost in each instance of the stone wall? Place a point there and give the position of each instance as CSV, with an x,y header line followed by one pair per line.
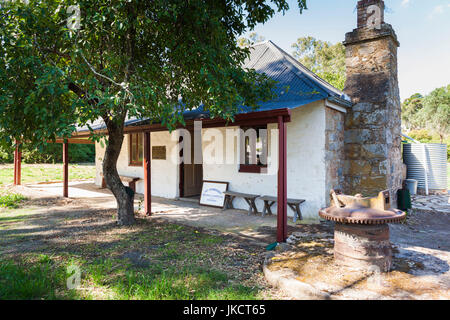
x,y
334,151
373,126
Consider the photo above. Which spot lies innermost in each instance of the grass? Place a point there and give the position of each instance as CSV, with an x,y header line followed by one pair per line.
x,y
151,260
32,173
11,200
41,279
45,277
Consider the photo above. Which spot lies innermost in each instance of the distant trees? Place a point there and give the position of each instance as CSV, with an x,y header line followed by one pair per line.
x,y
410,110
431,112
436,112
252,39
325,59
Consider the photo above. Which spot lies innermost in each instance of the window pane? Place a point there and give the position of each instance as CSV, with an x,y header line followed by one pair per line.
x,y
133,148
140,147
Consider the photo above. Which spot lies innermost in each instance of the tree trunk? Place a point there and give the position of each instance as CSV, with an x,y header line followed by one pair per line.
x,y
124,195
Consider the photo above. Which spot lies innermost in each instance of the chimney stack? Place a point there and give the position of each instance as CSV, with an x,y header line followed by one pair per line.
x,y
373,127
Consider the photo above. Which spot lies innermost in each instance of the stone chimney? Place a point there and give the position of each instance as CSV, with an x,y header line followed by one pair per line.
x,y
373,160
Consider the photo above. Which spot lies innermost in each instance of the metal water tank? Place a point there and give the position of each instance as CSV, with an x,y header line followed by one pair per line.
x,y
427,156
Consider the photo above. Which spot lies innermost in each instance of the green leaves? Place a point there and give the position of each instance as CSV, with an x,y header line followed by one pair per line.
x,y
323,58
148,59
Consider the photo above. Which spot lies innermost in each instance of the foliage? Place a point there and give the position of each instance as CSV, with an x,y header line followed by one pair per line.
x,y
410,110
10,200
325,59
146,59
435,113
128,59
50,153
425,136
252,39
422,135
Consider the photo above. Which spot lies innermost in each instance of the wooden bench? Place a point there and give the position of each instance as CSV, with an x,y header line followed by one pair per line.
x,y
294,204
249,198
130,180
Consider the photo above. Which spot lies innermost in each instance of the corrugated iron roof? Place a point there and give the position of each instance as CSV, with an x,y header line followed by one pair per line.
x,y
296,85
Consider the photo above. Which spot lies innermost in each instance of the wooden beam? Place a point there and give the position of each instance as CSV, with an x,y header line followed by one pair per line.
x,y
282,182
73,141
147,174
246,119
66,169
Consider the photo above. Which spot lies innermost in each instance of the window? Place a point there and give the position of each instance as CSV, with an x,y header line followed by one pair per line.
x,y
253,149
136,149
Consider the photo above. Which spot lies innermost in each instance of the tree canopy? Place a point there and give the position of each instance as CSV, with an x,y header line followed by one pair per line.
x,y
410,110
325,59
436,111
64,64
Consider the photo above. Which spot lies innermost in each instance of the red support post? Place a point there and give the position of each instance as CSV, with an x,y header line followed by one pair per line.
x,y
147,174
282,182
16,155
66,169
19,165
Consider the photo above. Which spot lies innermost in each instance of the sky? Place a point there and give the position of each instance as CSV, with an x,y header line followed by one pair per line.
x,y
422,27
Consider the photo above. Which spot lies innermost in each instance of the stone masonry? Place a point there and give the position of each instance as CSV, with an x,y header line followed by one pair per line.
x,y
373,127
334,150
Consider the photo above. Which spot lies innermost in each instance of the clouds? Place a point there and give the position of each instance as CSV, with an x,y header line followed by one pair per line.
x,y
439,10
405,3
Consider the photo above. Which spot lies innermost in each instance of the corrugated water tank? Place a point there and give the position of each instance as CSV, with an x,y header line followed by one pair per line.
x,y
430,156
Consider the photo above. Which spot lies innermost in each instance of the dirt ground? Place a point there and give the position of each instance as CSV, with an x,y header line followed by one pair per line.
x,y
420,264
85,227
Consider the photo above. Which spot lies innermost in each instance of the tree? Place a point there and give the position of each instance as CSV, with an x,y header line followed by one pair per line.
x,y
252,39
325,59
62,65
410,110
436,111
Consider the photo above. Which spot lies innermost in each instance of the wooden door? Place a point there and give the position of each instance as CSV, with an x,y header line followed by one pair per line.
x,y
192,176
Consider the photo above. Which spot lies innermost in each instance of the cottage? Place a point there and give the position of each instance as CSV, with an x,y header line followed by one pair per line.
x,y
313,110
311,138
327,132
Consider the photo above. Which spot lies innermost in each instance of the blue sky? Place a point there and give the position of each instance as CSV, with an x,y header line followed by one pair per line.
x,y
422,26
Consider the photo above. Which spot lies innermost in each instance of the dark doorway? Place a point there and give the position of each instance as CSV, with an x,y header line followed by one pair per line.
x,y
191,175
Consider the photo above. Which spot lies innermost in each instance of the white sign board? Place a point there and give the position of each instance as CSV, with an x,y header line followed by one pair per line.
x,y
212,193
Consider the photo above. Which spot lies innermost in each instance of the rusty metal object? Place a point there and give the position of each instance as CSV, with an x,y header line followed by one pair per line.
x,y
382,201
363,247
361,233
357,214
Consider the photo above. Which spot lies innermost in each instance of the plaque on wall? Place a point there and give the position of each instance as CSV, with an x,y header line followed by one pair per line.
x,y
159,152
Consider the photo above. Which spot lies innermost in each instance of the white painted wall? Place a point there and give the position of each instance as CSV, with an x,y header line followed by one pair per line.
x,y
164,172
305,164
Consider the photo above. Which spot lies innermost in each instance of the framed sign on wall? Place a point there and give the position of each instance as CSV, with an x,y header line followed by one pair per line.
x,y
159,152
212,193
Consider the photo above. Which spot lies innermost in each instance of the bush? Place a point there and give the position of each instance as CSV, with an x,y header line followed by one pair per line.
x,y
10,200
424,136
51,153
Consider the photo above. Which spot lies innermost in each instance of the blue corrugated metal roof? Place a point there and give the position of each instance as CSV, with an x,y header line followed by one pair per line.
x,y
296,85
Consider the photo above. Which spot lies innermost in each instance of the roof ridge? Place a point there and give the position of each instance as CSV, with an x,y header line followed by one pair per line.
x,y
300,67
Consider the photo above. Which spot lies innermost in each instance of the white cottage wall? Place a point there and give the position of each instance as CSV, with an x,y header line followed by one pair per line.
x,y
164,172
306,167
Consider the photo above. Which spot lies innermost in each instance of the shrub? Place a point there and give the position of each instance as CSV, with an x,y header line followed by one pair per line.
x,y
11,200
51,153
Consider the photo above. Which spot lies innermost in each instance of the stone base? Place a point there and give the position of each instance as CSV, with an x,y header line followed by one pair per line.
x,y
363,247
